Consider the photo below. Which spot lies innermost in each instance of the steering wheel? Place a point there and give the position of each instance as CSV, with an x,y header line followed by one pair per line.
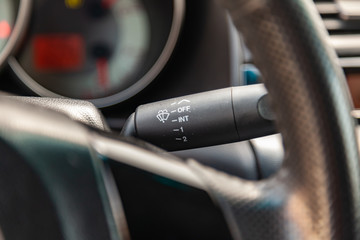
x,y
315,195
51,166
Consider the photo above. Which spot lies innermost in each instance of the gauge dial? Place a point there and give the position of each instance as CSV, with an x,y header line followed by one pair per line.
x,y
87,49
13,18
7,20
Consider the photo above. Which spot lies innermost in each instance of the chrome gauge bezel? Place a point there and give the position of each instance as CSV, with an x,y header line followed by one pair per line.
x,y
18,31
145,80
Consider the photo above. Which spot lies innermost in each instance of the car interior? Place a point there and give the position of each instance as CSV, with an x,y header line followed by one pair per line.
x,y
179,119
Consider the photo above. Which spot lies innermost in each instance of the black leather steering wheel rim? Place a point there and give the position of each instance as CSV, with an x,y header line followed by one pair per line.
x,y
315,195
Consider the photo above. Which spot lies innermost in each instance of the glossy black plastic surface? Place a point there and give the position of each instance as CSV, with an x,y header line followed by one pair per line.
x,y
204,119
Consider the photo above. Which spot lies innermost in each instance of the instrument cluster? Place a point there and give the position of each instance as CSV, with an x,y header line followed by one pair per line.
x,y
105,51
117,54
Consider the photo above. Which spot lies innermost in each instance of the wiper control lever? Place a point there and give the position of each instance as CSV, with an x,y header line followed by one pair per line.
x,y
204,119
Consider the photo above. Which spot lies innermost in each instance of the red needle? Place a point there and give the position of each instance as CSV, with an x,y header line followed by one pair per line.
x,y
107,3
5,29
103,73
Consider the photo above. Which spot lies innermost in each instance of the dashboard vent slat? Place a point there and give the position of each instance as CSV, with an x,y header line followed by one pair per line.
x,y
340,26
327,8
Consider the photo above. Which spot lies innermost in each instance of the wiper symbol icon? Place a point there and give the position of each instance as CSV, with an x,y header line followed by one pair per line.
x,y
163,115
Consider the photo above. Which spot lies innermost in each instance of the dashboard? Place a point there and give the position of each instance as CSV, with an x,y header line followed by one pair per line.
x,y
121,54
342,20
118,54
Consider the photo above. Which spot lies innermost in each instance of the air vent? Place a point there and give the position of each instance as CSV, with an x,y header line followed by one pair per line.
x,y
342,20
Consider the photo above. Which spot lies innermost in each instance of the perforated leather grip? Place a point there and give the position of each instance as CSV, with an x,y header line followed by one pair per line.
x,y
316,193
